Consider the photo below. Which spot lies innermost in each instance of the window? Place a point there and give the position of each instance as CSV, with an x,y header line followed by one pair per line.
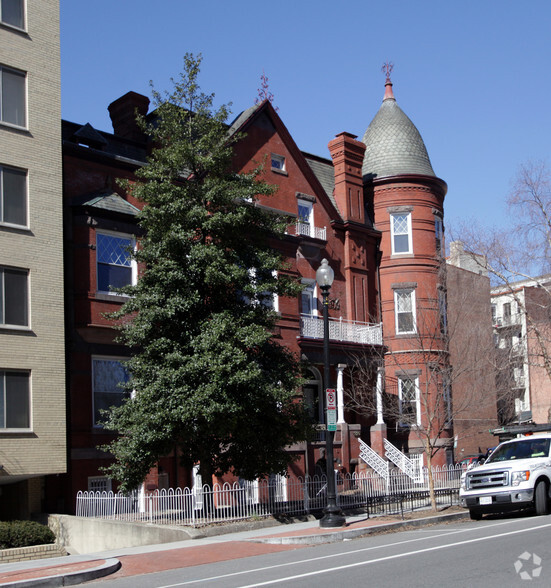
x,y
408,388
99,484
115,267
443,312
11,13
308,298
108,379
404,304
305,218
12,97
278,162
14,400
400,226
439,235
14,297
13,196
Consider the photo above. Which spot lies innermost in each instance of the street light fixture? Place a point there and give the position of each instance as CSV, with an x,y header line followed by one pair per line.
x,y
332,516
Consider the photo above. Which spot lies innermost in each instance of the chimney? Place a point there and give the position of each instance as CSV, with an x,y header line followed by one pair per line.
x,y
123,115
348,155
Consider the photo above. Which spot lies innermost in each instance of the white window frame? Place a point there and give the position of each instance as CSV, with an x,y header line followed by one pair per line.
x,y
4,223
309,222
4,429
311,290
397,293
3,323
416,402
280,166
133,265
23,74
23,27
97,358
393,234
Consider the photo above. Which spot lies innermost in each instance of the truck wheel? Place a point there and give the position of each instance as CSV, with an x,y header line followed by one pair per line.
x,y
540,500
476,515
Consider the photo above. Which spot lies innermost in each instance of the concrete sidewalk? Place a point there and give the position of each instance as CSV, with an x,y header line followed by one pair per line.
x,y
75,569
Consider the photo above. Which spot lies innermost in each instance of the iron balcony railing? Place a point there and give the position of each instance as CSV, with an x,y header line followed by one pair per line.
x,y
342,330
309,231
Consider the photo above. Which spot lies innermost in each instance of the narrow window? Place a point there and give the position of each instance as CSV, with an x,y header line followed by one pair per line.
x,y
115,268
11,13
14,400
12,97
409,401
404,304
108,379
305,218
443,312
439,236
400,225
14,297
13,196
308,297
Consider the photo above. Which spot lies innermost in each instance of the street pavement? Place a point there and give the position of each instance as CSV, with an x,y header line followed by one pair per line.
x,y
76,569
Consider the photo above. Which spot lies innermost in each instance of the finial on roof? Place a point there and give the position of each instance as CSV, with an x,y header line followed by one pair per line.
x,y
387,68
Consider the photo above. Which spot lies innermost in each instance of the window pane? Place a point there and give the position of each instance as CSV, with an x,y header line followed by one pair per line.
x,y
112,276
15,297
14,197
12,12
405,322
109,375
304,213
401,243
13,97
17,400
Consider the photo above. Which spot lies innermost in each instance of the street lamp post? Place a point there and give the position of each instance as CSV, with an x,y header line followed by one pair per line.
x,y
332,516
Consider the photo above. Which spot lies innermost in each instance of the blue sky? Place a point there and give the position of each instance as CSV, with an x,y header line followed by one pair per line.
x,y
473,75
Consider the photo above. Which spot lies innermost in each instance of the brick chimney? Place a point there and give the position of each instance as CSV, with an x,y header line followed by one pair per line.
x,y
348,155
123,115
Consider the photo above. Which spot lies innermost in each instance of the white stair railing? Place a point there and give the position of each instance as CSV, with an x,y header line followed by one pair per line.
x,y
402,461
373,460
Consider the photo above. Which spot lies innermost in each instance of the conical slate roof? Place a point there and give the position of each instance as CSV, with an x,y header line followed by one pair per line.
x,y
393,143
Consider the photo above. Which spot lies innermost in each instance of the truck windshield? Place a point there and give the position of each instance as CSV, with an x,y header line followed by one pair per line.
x,y
527,448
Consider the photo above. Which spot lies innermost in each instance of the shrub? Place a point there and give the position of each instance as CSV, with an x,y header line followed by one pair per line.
x,y
24,534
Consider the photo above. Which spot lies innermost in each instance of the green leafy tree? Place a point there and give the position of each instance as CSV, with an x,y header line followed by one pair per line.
x,y
208,376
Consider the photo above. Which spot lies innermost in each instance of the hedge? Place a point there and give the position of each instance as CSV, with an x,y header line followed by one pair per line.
x,y
24,534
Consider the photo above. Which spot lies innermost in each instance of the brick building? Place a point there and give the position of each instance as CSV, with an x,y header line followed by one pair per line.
x,y
32,358
374,210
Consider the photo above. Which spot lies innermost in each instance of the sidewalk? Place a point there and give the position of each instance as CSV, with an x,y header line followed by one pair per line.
x,y
75,569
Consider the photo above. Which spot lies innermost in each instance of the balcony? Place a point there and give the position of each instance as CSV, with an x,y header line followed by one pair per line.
x,y
508,320
306,230
342,330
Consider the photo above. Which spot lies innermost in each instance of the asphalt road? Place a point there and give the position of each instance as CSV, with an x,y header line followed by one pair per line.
x,y
500,551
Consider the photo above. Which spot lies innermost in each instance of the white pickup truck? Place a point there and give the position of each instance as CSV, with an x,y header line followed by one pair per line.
x,y
516,475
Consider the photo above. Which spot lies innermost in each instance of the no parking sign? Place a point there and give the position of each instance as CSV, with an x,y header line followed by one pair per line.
x,y
331,403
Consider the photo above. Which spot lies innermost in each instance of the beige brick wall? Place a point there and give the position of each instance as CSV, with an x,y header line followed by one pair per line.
x,y
38,249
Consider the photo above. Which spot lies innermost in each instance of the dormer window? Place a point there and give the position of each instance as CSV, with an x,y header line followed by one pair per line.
x,y
278,163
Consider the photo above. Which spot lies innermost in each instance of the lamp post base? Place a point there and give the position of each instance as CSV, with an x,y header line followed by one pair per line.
x,y
332,517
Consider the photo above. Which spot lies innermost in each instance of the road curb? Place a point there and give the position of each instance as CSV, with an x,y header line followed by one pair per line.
x,y
109,566
347,534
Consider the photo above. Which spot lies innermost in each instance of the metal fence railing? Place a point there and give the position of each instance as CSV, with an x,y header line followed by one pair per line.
x,y
275,495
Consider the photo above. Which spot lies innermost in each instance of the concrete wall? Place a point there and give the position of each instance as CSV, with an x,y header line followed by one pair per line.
x,y
83,535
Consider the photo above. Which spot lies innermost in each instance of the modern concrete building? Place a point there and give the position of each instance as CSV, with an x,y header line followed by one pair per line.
x,y
32,359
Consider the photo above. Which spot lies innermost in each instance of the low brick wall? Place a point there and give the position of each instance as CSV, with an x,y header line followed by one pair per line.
x,y
33,552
